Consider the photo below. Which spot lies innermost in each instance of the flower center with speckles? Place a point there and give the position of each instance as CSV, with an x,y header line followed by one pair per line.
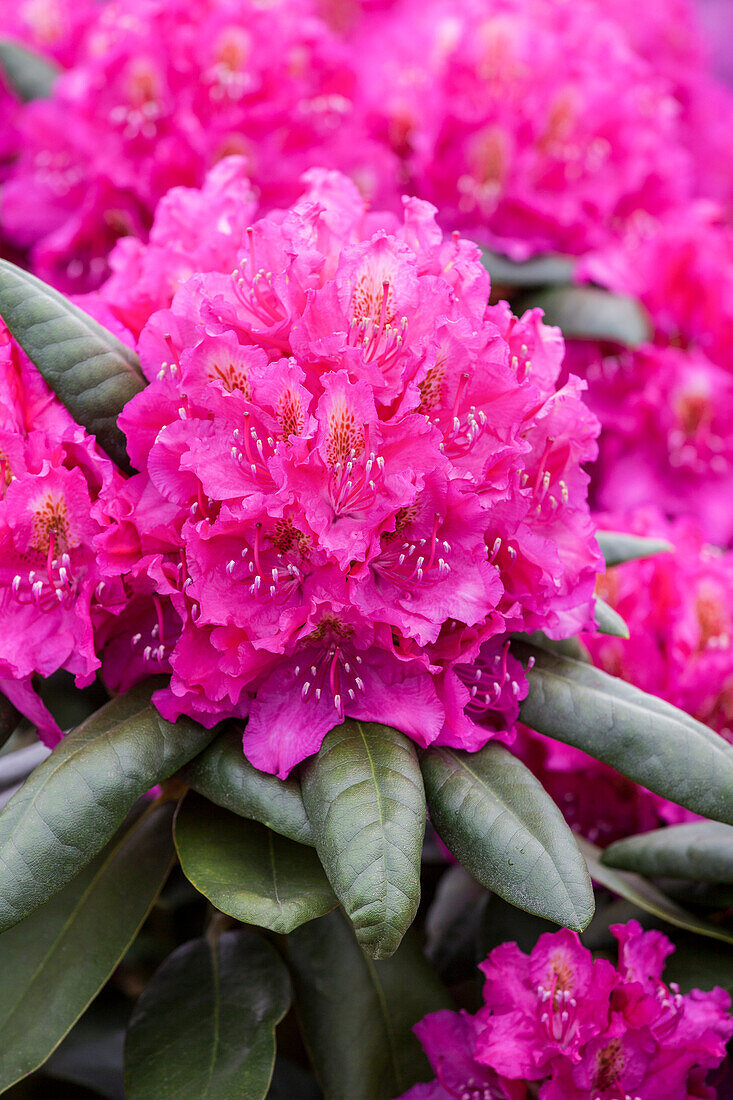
x,y
233,377
51,539
610,1064
272,564
51,525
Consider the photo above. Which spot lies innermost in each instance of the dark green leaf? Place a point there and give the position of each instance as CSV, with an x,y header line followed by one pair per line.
x,y
248,871
641,736
499,822
609,621
26,73
704,895
54,963
565,647
92,372
702,851
205,1024
618,547
501,922
647,896
357,1014
91,1054
291,1082
9,718
699,964
589,313
68,704
539,271
364,797
224,776
452,924
79,796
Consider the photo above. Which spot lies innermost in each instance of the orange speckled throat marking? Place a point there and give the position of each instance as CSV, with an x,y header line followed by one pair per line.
x,y
51,519
345,438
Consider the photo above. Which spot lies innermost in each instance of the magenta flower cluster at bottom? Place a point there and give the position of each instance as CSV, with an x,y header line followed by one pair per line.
x,y
559,1025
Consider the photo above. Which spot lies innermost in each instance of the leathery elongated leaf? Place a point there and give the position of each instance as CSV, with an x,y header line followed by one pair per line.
x,y
79,796
618,547
56,960
92,372
223,775
28,74
9,719
609,621
701,851
500,823
647,896
641,736
590,313
365,799
248,871
546,270
357,1014
205,1024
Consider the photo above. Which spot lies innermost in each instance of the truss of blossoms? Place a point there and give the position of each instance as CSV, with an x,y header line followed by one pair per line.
x,y
366,521
342,492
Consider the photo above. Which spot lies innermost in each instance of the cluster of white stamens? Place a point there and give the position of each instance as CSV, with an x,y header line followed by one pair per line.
x,y
486,683
249,449
265,579
56,587
333,671
411,562
470,1090
558,1012
255,291
352,485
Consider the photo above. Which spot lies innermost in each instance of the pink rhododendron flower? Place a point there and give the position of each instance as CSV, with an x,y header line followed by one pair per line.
x,y
449,1040
666,414
579,1029
665,406
669,36
356,479
542,1007
54,29
193,230
163,91
531,126
679,610
51,475
681,269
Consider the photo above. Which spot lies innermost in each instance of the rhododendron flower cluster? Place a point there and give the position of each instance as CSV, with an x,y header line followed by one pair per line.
x,y
578,1028
665,406
356,479
56,30
531,126
51,475
194,230
679,610
163,90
